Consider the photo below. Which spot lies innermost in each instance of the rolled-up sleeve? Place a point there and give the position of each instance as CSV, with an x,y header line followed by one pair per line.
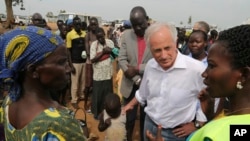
x,y
143,92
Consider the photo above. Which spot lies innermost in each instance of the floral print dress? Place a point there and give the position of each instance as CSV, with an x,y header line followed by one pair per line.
x,y
50,125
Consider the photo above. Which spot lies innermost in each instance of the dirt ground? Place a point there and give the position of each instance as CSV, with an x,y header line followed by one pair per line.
x,y
93,125
91,122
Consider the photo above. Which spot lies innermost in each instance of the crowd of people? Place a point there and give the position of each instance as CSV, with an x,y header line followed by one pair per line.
x,y
183,85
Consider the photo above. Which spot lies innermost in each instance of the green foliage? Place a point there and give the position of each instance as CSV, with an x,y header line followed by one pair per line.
x,y
17,2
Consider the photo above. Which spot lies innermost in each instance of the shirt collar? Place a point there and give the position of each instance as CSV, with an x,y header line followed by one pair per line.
x,y
204,60
180,61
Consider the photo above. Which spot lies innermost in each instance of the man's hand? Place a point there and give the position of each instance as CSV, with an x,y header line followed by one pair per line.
x,y
184,130
73,70
158,136
131,71
126,108
130,105
107,50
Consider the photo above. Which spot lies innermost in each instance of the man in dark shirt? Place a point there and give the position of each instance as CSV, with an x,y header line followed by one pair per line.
x,y
75,41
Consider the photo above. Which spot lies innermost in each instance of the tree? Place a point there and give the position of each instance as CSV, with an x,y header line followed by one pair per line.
x,y
9,11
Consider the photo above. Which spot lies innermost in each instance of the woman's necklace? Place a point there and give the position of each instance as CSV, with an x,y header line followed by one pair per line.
x,y
235,111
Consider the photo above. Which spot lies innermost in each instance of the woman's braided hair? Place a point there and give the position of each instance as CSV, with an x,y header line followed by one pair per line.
x,y
237,40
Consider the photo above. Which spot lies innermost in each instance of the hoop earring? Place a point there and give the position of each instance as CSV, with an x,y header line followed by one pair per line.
x,y
239,85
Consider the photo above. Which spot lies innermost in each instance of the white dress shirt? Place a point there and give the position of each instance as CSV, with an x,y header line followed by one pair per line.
x,y
172,95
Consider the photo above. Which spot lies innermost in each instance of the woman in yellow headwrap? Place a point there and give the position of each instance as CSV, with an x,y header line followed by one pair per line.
x,y
33,61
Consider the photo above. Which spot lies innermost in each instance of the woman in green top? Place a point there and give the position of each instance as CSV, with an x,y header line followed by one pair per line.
x,y
228,75
33,61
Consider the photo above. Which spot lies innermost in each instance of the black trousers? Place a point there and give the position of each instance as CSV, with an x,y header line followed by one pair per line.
x,y
131,116
100,90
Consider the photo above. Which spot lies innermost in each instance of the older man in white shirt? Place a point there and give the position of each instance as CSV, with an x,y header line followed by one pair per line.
x,y
170,86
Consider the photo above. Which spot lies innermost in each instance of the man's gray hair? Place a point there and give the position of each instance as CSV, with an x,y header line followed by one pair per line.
x,y
155,27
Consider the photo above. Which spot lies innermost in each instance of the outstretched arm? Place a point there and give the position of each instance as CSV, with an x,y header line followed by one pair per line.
x,y
130,105
103,125
73,70
87,44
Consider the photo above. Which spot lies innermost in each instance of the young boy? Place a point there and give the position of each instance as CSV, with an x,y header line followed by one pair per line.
x,y
111,119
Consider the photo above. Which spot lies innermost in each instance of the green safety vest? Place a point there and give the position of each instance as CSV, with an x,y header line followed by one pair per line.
x,y
219,129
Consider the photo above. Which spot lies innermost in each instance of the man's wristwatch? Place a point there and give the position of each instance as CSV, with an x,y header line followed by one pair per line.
x,y
138,81
197,124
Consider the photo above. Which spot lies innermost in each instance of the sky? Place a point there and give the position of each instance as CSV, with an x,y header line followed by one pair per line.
x,y
223,13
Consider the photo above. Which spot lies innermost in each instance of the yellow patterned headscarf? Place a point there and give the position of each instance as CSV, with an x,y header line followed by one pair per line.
x,y
21,47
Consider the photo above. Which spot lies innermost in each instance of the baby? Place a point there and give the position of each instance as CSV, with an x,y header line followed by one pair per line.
x,y
111,119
